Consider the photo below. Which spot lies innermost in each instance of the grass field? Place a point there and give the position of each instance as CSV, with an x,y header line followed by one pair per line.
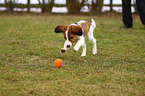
x,y
29,46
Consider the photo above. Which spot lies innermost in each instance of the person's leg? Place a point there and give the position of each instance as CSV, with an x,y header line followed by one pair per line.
x,y
141,10
127,15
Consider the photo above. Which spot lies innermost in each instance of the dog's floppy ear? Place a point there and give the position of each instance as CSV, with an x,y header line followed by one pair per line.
x,y
77,30
60,28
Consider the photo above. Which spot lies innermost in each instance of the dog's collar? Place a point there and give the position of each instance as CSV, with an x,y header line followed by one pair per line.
x,y
78,24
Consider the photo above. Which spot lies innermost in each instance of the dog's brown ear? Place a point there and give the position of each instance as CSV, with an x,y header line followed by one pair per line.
x,y
77,30
60,29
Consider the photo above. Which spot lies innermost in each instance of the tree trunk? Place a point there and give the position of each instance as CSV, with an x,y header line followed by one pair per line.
x,y
50,6
28,5
96,7
47,7
10,5
74,6
111,5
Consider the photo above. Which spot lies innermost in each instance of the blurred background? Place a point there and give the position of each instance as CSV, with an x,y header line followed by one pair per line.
x,y
92,7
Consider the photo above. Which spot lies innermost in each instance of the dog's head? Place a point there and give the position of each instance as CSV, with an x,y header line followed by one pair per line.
x,y
70,32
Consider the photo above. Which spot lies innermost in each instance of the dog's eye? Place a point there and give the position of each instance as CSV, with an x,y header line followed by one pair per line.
x,y
64,37
71,37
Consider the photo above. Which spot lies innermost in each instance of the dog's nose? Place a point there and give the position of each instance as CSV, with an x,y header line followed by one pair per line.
x,y
68,46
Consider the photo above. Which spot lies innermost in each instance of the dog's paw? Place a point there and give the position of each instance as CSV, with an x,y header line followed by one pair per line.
x,y
83,55
76,49
63,50
94,52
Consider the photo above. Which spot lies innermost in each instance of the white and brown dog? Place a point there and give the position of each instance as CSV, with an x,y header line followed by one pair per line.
x,y
75,32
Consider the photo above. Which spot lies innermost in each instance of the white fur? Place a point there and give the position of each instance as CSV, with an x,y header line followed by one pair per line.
x,y
81,21
67,42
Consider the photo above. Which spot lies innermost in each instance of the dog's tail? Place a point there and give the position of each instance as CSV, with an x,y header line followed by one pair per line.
x,y
93,23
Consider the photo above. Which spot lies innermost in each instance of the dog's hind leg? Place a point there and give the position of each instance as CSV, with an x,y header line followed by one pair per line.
x,y
93,40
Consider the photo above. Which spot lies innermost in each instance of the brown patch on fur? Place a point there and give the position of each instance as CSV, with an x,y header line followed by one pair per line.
x,y
73,31
61,28
71,36
76,29
86,27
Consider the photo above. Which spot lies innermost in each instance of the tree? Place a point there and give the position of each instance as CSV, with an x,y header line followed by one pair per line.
x,y
28,5
96,7
47,5
111,5
74,6
10,5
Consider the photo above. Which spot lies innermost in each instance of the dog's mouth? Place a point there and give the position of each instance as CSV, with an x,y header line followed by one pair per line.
x,y
63,50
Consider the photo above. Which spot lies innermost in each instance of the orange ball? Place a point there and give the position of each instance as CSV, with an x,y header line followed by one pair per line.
x,y
58,62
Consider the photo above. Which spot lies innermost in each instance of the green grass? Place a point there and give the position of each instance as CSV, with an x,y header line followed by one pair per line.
x,y
29,46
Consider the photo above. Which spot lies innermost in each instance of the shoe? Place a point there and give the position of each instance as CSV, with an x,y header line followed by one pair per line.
x,y
125,26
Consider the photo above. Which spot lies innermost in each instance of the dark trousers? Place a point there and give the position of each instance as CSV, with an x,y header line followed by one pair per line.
x,y
127,16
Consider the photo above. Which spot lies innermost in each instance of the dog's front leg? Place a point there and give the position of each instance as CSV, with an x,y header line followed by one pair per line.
x,y
81,42
84,50
64,49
